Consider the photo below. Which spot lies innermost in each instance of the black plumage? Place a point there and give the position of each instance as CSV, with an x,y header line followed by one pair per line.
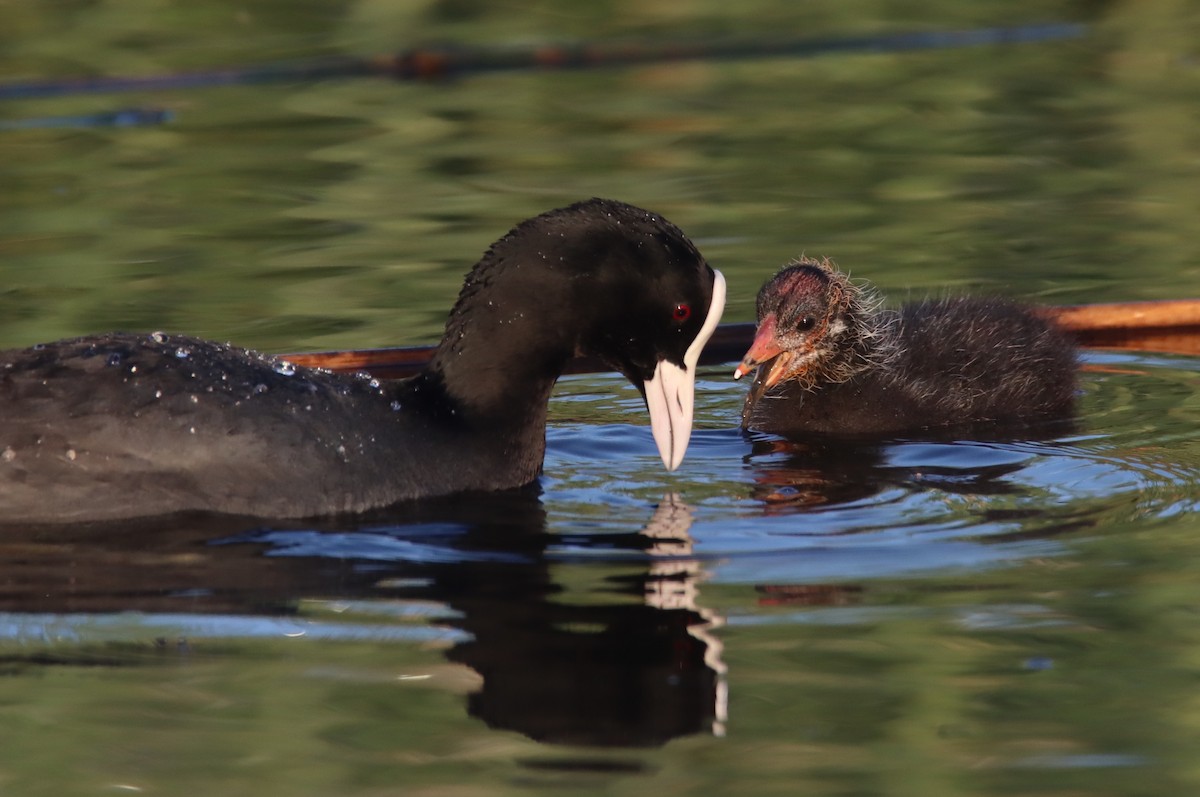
x,y
830,361
129,425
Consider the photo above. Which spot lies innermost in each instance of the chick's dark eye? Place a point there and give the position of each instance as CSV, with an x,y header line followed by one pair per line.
x,y
806,323
681,313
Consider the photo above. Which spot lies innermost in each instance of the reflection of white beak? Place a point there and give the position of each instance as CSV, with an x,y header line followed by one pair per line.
x,y
670,393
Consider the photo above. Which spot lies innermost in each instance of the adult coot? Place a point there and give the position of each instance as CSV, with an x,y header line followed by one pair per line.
x,y
830,361
124,425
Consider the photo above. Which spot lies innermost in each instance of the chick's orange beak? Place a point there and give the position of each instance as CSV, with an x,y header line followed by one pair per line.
x,y
763,349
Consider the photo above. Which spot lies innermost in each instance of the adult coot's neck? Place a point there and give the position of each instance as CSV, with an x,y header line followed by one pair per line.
x,y
598,278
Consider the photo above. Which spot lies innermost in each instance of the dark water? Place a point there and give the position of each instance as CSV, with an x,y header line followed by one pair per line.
x,y
916,617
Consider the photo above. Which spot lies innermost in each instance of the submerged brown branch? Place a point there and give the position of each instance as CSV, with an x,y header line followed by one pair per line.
x,y
1166,326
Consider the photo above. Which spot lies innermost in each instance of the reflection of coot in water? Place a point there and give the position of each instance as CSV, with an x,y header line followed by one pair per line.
x,y
830,361
614,674
823,471
815,472
625,665
617,666
621,667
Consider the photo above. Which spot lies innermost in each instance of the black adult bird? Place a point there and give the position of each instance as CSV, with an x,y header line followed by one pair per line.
x,y
830,361
123,425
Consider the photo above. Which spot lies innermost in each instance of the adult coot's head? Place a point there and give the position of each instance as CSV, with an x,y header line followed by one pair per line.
x,y
598,278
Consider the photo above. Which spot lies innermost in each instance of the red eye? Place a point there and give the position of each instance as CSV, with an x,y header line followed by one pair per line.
x,y
682,312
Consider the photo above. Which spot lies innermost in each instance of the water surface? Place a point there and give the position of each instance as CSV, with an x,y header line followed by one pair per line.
x,y
915,617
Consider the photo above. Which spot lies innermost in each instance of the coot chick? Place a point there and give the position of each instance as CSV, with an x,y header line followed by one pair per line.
x,y
122,425
830,361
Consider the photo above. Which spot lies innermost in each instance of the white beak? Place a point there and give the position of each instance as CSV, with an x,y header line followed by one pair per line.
x,y
670,393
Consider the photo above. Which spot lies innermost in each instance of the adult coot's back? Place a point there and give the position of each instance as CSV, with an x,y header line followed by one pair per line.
x,y
123,425
830,361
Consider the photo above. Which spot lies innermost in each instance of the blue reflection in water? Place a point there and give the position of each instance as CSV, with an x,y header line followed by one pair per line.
x,y
90,628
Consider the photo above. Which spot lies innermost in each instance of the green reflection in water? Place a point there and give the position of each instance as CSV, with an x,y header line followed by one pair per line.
x,y
345,213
